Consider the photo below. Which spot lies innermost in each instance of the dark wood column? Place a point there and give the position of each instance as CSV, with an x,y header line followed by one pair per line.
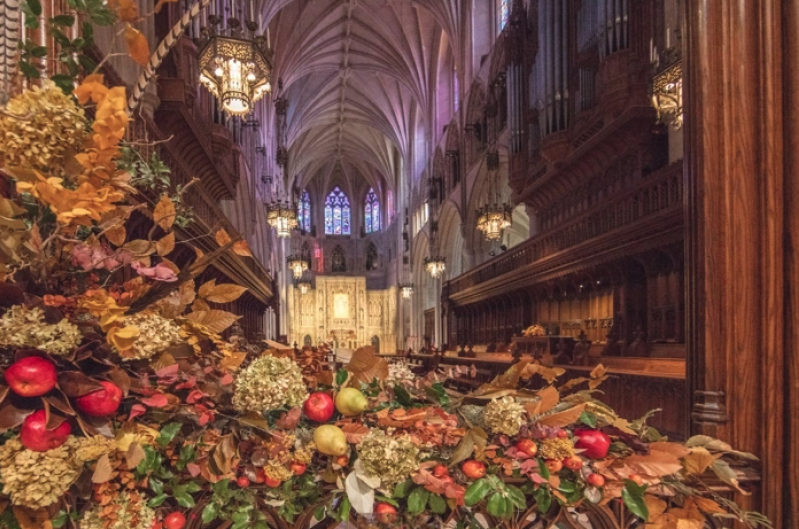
x,y
738,219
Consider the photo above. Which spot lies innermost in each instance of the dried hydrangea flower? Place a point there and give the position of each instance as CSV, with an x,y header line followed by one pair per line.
x,y
156,335
270,383
93,448
40,127
399,372
392,459
38,479
504,416
130,510
556,448
22,327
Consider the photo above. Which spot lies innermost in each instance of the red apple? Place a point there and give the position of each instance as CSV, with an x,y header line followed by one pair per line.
x,y
573,462
243,482
260,475
298,468
175,520
596,480
554,465
386,513
101,402
319,407
474,469
527,446
440,470
595,443
272,482
35,436
342,461
562,434
31,376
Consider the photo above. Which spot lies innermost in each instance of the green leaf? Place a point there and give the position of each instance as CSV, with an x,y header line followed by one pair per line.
x,y
38,51
156,501
319,512
633,498
544,499
499,506
60,520
516,497
185,500
157,486
402,395
402,490
168,433
34,7
437,504
341,376
210,513
417,500
64,82
28,70
63,20
344,511
588,418
88,31
476,492
543,469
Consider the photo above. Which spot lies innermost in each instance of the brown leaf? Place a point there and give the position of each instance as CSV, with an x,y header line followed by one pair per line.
x,y
563,418
549,397
598,371
206,288
365,366
707,505
134,455
254,420
12,416
139,51
475,438
128,11
200,305
161,3
187,293
698,460
116,234
222,237
103,472
655,464
242,248
354,431
288,421
163,360
166,244
120,378
676,449
225,293
76,384
232,361
164,212
655,505
140,247
32,519
223,455
216,321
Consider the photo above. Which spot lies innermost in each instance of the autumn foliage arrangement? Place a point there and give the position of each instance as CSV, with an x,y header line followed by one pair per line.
x,y
122,406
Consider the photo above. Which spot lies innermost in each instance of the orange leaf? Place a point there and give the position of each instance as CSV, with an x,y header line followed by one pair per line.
x,y
138,48
222,237
242,248
128,11
164,213
354,431
166,245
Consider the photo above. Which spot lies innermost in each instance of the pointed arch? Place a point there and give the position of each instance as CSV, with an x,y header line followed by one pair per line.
x,y
371,218
338,260
372,258
337,213
304,211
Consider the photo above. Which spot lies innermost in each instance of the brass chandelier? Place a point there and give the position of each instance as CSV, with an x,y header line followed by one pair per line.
x,y
303,283
297,264
235,67
494,217
435,265
282,216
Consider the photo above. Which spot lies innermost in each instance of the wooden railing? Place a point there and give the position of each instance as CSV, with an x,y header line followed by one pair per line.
x,y
658,192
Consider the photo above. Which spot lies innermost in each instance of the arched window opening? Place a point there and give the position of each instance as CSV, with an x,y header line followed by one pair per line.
x,y
372,212
371,257
337,213
504,13
304,211
338,260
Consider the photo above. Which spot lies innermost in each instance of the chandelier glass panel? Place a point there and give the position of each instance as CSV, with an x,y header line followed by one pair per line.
x,y
235,64
282,216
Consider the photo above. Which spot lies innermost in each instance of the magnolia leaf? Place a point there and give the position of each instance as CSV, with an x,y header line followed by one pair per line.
x,y
361,495
138,49
563,418
698,460
103,472
166,244
215,321
222,237
223,455
134,455
242,248
225,293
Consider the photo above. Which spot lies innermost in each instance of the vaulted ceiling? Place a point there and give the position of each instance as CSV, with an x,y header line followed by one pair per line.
x,y
360,78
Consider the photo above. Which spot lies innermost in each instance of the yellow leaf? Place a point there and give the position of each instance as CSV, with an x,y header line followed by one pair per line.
x,y
222,238
655,505
698,460
563,418
225,293
166,244
164,213
206,288
163,360
138,49
140,247
232,361
215,321
116,234
598,371
707,505
242,248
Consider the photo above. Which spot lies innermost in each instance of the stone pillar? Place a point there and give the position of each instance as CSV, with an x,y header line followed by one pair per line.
x,y
741,236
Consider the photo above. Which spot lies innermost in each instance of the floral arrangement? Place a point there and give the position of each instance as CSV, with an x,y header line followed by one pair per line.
x,y
121,405
535,330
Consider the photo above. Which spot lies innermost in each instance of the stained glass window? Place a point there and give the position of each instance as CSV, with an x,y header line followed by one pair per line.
x,y
372,215
304,211
504,13
337,213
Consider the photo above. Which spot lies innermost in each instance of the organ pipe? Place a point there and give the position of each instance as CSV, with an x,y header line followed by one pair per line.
x,y
552,66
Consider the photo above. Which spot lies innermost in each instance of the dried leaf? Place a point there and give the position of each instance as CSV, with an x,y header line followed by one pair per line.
x,y
222,237
206,288
116,234
216,321
103,472
138,49
161,3
232,361
223,455
134,455
563,418
365,366
355,432
140,247
288,421
32,519
242,248
128,11
707,505
655,464
166,244
475,439
655,506
225,293
549,397
76,384
255,420
361,495
698,460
